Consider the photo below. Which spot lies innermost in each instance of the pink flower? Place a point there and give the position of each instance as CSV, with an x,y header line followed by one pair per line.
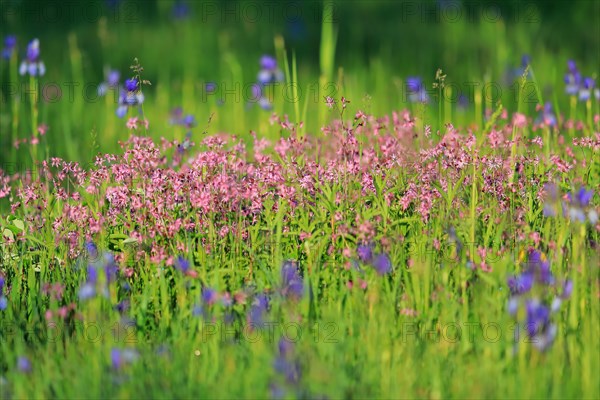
x,y
519,120
330,102
132,123
42,129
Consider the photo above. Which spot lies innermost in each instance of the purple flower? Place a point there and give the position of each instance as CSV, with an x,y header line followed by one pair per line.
x,y
111,269
513,305
182,264
567,289
32,64
128,99
585,91
291,281
382,264
87,291
538,317
268,62
112,81
583,197
3,303
23,364
285,363
265,104
277,392
119,358
176,115
131,85
416,90
198,311
547,116
463,101
210,87
10,42
572,79
286,347
189,121
578,202
2,281
92,274
414,84
122,306
258,310
521,284
365,253
92,250
181,10
209,296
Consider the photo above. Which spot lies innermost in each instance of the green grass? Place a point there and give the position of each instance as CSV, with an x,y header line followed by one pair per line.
x,y
351,343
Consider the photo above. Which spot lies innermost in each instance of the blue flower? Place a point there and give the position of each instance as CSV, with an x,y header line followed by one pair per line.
x,y
521,284
269,73
111,269
538,308
567,289
285,363
92,250
268,62
189,121
119,358
209,296
210,87
87,291
131,85
92,274
111,82
382,264
547,116
416,90
585,91
572,79
292,285
579,204
414,84
583,197
23,364
3,303
10,42
2,281
258,310
538,326
32,64
181,9
365,253
129,98
463,101
538,317
182,264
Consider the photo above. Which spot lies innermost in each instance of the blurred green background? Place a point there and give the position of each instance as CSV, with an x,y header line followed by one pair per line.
x,y
182,45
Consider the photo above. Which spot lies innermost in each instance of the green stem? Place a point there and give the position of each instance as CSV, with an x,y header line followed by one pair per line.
x,y
33,92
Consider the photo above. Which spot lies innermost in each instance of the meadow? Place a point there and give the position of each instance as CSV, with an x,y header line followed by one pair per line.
x,y
308,200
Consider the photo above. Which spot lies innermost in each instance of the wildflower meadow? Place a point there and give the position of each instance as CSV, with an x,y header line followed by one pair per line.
x,y
300,200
